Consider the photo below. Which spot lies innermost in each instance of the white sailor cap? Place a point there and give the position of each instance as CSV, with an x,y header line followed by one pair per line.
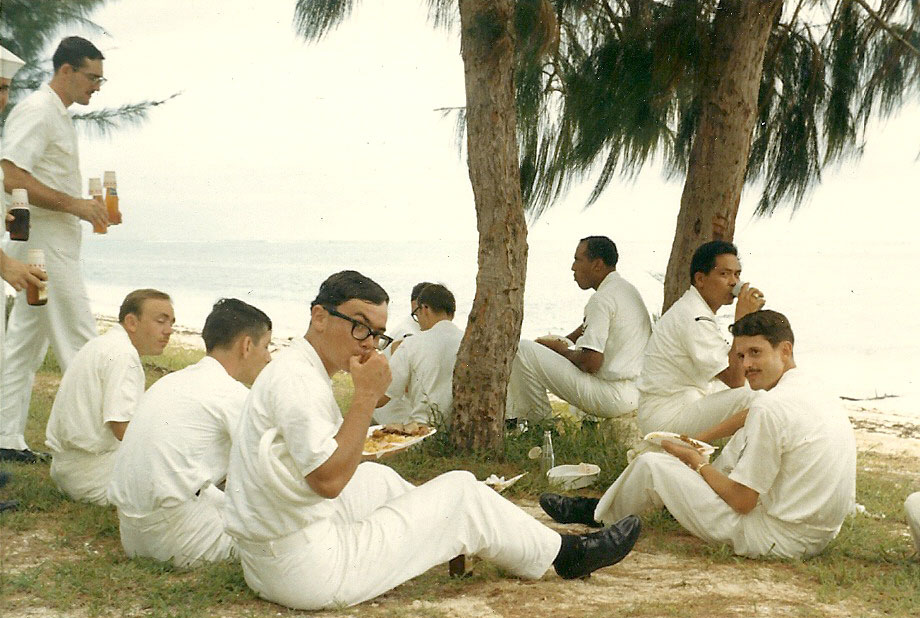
x,y
9,63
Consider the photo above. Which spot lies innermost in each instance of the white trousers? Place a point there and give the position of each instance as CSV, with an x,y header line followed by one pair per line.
x,y
688,412
654,480
186,535
537,369
386,531
912,509
66,322
83,476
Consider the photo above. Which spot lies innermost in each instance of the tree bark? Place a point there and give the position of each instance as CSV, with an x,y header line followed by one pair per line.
x,y
722,144
494,328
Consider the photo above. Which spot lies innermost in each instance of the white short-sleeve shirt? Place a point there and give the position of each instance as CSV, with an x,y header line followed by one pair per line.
x,y
293,395
686,351
798,452
40,138
103,383
179,439
423,366
406,329
617,325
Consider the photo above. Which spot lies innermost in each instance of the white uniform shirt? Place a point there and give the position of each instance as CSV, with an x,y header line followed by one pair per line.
x,y
292,395
40,138
798,452
179,439
686,350
406,329
617,325
103,383
424,366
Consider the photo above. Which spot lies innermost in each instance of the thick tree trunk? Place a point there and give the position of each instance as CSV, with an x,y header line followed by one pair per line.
x,y
491,338
719,155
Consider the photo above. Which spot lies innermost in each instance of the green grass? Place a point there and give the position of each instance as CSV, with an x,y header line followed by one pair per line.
x,y
73,557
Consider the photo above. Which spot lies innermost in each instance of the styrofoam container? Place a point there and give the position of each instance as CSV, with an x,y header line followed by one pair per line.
x,y
573,477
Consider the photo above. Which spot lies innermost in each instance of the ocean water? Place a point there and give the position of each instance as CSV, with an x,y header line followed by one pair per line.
x,y
848,308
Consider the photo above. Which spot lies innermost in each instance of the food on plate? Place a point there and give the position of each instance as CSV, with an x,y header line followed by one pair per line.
x,y
656,437
394,436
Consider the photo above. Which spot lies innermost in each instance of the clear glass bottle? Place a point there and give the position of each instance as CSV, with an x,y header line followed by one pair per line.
x,y
547,457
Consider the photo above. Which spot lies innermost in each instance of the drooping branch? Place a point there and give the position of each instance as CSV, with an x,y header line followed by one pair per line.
x,y
884,25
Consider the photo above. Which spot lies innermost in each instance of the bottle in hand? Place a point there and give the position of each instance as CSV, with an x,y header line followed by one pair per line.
x,y
19,226
111,196
95,192
35,295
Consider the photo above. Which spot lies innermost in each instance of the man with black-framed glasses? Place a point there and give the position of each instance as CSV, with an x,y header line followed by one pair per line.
x,y
41,155
317,528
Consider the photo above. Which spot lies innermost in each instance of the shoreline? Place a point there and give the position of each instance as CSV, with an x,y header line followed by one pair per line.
x,y
883,430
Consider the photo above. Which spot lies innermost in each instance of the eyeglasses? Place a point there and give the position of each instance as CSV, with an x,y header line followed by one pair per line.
x,y
414,313
96,79
361,331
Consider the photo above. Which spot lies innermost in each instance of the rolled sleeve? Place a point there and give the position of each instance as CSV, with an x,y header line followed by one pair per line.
x,y
309,437
597,325
123,385
26,137
759,464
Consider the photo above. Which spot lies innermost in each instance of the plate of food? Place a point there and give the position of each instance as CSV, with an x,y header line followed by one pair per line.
x,y
382,439
656,437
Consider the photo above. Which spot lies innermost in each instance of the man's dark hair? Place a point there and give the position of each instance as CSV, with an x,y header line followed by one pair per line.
x,y
438,298
418,288
134,302
73,51
704,258
230,318
772,325
601,247
346,285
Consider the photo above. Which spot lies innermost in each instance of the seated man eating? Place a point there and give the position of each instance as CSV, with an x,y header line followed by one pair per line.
x,y
783,483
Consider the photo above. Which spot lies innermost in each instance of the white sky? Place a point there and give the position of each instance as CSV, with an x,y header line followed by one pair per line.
x,y
275,138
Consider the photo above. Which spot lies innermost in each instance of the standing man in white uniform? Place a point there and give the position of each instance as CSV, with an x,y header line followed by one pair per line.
x,y
175,451
423,367
687,358
99,393
399,408
316,528
40,154
595,367
784,482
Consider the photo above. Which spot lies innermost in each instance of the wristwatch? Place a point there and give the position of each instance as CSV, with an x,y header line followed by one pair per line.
x,y
700,465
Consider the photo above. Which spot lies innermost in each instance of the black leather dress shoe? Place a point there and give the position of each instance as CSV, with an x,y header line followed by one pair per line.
x,y
590,552
570,510
23,456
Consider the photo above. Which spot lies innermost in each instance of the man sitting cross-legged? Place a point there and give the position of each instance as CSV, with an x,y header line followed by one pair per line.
x,y
99,393
316,528
175,452
783,483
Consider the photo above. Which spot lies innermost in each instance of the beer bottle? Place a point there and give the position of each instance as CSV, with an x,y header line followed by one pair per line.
x,y
111,197
35,295
95,192
19,226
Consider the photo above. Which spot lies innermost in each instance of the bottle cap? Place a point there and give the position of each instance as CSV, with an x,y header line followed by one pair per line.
x,y
20,198
95,186
108,179
36,257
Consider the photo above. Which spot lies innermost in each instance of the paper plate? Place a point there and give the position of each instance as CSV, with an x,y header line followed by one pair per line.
x,y
395,446
656,437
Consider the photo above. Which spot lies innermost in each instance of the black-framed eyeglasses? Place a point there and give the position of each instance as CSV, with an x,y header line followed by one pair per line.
x,y
414,313
361,331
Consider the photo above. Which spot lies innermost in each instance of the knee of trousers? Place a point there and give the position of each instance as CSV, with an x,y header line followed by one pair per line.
x,y
912,506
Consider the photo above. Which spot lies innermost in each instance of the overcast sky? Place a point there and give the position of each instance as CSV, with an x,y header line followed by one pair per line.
x,y
275,138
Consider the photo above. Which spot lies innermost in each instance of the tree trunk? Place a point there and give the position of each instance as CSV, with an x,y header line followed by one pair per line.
x,y
491,338
719,154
